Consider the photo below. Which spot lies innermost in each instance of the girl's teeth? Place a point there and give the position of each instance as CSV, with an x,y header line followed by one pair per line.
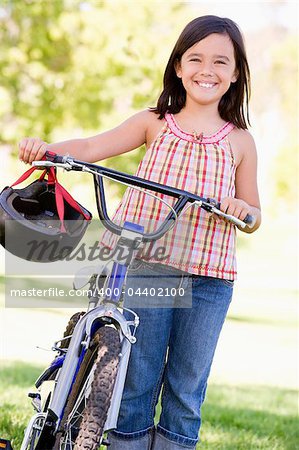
x,y
206,85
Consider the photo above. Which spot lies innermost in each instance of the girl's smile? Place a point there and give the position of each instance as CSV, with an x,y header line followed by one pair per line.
x,y
205,85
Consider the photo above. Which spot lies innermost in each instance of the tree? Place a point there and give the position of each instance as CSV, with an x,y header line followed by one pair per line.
x,y
35,58
70,64
72,68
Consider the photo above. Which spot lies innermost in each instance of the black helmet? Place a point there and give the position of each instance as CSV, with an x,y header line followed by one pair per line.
x,y
30,226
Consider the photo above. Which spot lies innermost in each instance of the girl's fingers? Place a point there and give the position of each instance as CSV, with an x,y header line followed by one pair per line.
x,y
238,212
32,154
41,151
244,213
35,150
235,207
231,210
31,149
241,210
224,205
22,146
27,150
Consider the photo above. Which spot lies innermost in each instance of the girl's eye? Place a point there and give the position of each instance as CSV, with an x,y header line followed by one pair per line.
x,y
219,62
195,60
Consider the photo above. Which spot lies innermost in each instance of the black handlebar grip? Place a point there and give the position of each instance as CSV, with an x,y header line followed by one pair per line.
x,y
53,157
250,220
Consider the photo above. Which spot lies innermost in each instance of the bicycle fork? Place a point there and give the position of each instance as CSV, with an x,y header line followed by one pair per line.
x,y
72,357
51,418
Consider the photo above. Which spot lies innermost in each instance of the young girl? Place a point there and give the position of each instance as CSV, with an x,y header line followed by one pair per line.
x,y
197,140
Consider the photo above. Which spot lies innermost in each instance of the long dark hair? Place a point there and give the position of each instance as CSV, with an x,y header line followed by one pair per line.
x,y
233,106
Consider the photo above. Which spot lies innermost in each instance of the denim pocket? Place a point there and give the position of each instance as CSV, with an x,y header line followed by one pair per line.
x,y
140,264
154,268
229,283
136,265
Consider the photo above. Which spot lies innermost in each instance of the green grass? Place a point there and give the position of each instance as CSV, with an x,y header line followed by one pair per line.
x,y
234,417
16,379
250,418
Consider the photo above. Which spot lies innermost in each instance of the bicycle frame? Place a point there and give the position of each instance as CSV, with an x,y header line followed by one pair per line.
x,y
84,329
82,335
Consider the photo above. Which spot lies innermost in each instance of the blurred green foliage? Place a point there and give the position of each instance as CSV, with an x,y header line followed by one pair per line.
x,y
70,64
74,67
284,74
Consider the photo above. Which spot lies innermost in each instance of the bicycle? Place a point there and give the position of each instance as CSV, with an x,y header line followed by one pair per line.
x,y
78,396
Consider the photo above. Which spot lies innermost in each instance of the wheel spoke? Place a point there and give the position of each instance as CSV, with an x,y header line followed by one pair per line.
x,y
35,433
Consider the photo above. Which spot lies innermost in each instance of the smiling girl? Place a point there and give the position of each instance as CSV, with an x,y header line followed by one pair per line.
x,y
197,140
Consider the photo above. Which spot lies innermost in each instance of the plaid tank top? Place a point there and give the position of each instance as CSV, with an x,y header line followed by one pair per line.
x,y
203,165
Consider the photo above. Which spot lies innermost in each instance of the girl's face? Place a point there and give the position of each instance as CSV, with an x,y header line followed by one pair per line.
x,y
207,69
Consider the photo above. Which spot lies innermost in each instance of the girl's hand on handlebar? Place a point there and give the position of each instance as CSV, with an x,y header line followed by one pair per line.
x,y
235,207
32,149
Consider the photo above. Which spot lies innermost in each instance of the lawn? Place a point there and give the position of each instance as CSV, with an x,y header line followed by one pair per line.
x,y
234,417
250,417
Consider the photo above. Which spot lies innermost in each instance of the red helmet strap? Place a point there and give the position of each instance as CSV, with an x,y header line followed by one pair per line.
x,y
61,194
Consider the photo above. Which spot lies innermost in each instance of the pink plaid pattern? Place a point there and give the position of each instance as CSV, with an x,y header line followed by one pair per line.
x,y
203,165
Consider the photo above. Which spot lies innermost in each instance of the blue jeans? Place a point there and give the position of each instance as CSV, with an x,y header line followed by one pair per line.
x,y
174,348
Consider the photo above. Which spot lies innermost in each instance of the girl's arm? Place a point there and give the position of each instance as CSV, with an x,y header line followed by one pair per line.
x,y
127,136
246,199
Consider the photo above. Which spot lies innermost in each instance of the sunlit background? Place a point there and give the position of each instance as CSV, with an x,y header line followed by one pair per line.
x,y
74,68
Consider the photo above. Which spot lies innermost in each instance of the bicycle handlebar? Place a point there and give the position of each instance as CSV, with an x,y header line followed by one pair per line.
x,y
100,172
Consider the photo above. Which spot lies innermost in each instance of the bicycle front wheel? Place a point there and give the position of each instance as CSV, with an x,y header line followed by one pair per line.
x,y
87,407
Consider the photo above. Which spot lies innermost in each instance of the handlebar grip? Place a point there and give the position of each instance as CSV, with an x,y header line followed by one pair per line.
x,y
53,157
250,221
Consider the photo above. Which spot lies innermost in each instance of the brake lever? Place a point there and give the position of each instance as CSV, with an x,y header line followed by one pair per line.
x,y
214,207
46,164
232,219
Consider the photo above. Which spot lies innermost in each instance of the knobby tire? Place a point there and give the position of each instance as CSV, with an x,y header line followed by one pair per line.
x,y
104,352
